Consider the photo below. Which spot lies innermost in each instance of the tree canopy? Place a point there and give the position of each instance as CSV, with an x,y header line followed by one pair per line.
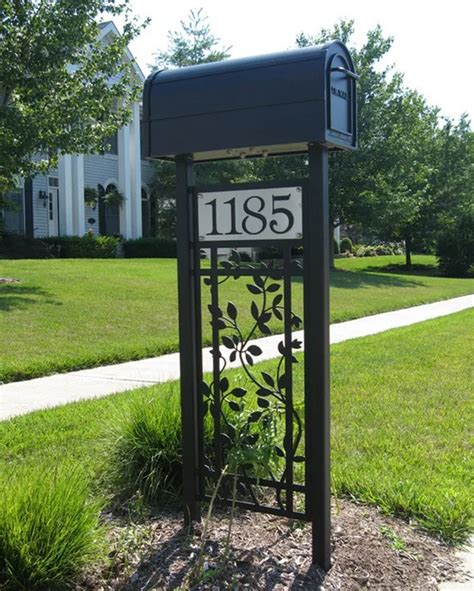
x,y
61,89
193,44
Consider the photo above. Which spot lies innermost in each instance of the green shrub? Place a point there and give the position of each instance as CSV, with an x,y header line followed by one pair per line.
x,y
147,456
150,247
266,253
455,247
49,530
84,247
346,245
336,246
15,246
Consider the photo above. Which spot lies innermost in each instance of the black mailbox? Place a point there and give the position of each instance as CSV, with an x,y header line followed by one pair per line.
x,y
271,104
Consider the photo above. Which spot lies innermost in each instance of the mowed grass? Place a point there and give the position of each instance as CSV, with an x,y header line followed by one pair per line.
x,y
402,415
70,314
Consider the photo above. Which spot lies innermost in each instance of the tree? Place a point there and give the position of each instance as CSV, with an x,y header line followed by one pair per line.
x,y
453,179
193,44
403,196
56,94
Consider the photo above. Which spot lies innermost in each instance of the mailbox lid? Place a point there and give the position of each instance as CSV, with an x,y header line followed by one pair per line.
x,y
287,77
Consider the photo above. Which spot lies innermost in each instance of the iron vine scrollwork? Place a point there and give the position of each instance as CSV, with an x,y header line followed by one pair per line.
x,y
257,428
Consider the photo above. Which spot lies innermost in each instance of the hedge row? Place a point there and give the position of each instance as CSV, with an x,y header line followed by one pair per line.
x,y
149,248
83,247
13,246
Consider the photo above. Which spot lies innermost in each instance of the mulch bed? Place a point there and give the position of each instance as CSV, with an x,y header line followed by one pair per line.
x,y
370,551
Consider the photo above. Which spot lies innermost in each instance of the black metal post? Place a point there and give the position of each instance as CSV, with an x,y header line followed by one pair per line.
x,y
190,351
316,324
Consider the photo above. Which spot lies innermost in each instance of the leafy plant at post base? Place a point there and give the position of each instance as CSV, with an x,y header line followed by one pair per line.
x,y
249,425
49,530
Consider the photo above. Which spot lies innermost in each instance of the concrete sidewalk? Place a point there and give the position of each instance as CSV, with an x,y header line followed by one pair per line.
x,y
21,397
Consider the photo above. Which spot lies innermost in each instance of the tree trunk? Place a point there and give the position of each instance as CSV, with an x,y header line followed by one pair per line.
x,y
408,251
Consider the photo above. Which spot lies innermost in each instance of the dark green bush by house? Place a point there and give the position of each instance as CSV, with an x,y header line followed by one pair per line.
x,y
150,247
15,246
455,246
84,247
346,245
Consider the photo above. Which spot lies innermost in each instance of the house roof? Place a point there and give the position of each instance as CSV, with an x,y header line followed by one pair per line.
x,y
109,27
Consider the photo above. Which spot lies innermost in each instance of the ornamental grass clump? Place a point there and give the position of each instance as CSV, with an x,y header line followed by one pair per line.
x,y
146,460
49,530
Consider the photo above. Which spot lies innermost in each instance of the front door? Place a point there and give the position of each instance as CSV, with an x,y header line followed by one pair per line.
x,y
53,209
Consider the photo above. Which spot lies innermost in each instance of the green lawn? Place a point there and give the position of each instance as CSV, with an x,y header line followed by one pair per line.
x,y
71,314
402,414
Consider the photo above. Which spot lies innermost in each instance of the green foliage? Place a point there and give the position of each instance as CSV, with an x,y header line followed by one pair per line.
x,y
378,249
49,529
346,245
16,246
55,95
149,247
84,247
146,461
455,246
453,179
193,44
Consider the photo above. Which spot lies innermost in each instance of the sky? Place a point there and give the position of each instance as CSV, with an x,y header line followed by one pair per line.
x,y
433,40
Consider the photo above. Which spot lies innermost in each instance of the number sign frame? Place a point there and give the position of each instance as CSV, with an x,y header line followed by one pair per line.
x,y
256,213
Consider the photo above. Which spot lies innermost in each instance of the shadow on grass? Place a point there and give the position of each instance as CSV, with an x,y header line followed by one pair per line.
x,y
16,296
355,279
416,269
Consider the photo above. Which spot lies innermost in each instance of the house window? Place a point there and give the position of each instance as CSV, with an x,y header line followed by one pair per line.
x,y
13,217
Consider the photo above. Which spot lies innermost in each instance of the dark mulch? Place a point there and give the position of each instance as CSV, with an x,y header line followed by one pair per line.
x,y
369,551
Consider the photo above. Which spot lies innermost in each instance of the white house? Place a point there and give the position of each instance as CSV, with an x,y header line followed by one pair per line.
x,y
54,205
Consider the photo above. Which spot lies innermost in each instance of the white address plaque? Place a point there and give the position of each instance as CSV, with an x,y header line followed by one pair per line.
x,y
250,214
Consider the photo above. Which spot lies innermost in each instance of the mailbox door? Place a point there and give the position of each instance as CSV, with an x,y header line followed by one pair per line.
x,y
341,106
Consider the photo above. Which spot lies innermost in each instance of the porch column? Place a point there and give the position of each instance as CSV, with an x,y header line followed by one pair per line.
x,y
136,172
124,180
79,222
65,196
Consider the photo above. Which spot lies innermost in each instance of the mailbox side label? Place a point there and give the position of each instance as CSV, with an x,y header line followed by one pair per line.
x,y
250,214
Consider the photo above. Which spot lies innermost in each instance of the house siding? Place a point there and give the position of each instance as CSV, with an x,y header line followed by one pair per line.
x,y
40,213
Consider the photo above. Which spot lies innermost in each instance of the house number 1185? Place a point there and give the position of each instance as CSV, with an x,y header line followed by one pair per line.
x,y
245,214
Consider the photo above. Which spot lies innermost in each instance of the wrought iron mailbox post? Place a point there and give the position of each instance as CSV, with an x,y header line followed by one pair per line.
x,y
301,101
